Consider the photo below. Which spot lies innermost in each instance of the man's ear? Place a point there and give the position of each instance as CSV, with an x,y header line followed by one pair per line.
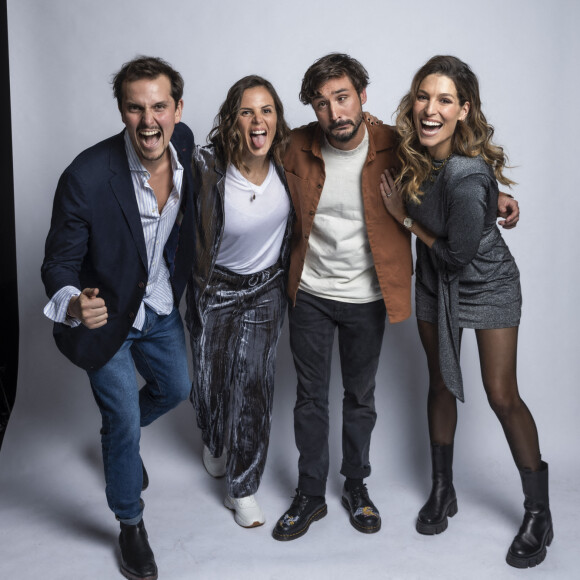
x,y
178,111
363,96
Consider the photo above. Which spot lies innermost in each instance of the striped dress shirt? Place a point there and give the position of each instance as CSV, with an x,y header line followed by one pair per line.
x,y
156,230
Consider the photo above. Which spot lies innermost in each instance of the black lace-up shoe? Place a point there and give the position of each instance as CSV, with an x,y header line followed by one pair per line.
x,y
364,516
304,510
137,560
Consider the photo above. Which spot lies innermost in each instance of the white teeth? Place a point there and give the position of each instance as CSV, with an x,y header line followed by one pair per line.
x,y
149,133
258,132
431,123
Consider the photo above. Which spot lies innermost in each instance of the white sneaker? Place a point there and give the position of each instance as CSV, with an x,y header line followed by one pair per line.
x,y
247,512
215,466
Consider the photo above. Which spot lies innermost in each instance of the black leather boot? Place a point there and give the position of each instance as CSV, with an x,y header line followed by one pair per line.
x,y
137,560
145,484
529,546
442,501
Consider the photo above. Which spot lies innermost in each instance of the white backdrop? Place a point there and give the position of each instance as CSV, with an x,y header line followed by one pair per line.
x,y
62,56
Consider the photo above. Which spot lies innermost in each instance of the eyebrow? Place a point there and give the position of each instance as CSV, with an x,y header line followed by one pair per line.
x,y
439,95
252,108
338,91
130,102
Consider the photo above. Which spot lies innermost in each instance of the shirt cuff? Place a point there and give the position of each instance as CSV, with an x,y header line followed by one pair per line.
x,y
57,307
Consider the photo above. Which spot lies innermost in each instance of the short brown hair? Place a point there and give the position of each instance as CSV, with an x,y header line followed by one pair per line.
x,y
332,66
147,67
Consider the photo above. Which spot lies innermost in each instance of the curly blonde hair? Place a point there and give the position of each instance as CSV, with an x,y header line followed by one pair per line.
x,y
472,137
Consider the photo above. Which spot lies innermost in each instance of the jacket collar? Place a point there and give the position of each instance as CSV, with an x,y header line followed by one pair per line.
x,y
379,140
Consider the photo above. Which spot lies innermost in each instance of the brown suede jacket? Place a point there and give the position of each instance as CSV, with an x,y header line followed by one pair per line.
x,y
389,241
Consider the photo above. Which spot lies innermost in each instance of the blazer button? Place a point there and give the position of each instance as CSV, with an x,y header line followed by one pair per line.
x,y
131,315
141,284
311,212
319,186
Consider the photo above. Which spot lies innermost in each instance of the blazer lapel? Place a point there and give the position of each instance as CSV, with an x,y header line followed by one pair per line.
x,y
122,186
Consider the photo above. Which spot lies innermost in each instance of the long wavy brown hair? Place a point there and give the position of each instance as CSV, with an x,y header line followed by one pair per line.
x,y
472,137
225,135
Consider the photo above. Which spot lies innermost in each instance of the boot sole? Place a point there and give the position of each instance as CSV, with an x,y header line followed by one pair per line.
x,y
533,560
313,518
437,527
132,576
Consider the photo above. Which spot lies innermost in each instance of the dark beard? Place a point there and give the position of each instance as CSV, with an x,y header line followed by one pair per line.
x,y
344,137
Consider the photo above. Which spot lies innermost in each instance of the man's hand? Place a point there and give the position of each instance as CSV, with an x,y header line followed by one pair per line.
x,y
508,208
89,309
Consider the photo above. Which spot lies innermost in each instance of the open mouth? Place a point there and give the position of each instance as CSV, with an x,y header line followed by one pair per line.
x,y
258,138
150,137
430,127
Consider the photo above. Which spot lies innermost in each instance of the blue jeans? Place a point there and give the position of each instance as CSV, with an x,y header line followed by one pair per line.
x,y
313,322
158,352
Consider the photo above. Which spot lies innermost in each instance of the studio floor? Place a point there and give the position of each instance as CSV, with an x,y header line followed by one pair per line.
x,y
55,524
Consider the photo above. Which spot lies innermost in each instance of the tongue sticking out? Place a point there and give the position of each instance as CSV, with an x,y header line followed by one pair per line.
x,y
258,140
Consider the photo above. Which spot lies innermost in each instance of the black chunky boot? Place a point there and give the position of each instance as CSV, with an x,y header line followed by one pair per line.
x,y
442,502
137,560
529,546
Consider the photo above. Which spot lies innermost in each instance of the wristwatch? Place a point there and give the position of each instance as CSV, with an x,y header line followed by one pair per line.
x,y
408,222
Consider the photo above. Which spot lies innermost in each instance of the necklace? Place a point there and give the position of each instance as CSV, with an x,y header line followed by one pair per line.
x,y
257,178
435,169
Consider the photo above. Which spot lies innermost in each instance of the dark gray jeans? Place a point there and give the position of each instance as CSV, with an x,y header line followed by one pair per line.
x,y
360,335
234,361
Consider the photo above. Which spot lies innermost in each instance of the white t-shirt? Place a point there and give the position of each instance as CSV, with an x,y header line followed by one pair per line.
x,y
255,222
339,264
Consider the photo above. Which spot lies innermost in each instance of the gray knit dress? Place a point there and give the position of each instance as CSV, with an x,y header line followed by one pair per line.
x,y
468,279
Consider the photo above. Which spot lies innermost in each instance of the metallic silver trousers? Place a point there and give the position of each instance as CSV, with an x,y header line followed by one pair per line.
x,y
234,361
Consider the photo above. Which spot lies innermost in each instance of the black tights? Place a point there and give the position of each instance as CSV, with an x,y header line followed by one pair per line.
x,y
497,357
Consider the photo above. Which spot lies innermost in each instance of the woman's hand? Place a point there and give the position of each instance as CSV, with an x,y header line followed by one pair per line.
x,y
391,195
393,200
372,119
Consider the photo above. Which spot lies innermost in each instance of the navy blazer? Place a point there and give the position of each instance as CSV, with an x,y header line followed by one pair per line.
x,y
96,241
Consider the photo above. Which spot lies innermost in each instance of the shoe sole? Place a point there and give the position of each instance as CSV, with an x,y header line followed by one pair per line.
x,y
438,527
239,521
356,525
531,561
132,576
313,518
